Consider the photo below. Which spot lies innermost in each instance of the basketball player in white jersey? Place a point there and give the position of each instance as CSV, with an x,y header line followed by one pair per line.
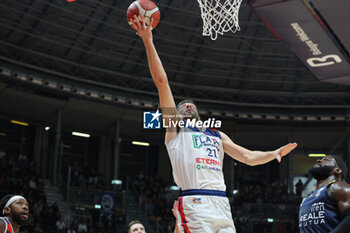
x,y
196,155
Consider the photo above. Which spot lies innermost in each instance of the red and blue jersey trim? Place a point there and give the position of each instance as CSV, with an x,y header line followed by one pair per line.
x,y
183,218
204,192
209,132
8,225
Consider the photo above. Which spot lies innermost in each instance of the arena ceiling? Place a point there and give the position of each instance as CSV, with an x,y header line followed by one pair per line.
x,y
89,42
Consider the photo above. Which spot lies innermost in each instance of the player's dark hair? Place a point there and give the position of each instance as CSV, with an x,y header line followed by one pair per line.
x,y
341,165
3,202
185,101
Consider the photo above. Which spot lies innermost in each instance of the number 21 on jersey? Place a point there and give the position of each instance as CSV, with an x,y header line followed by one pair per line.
x,y
211,152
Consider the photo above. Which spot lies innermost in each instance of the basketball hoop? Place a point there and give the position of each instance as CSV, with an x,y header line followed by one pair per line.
x,y
219,16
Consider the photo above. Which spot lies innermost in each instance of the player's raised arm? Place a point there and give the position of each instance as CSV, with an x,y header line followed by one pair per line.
x,y
253,158
159,76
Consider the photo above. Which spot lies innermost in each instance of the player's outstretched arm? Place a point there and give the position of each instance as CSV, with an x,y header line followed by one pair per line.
x,y
159,76
340,192
155,64
253,158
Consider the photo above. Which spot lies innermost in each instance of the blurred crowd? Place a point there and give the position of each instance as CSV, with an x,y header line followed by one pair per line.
x,y
155,197
83,177
275,193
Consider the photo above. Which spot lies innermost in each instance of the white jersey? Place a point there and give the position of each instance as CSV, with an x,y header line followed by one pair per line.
x,y
197,158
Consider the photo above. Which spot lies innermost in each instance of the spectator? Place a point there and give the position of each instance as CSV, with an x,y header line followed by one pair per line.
x,y
60,226
23,161
32,183
299,187
82,227
71,230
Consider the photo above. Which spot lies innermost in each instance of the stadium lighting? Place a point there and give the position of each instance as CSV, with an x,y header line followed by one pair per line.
x,y
317,155
235,192
97,206
85,135
47,128
270,220
140,143
19,122
117,182
174,187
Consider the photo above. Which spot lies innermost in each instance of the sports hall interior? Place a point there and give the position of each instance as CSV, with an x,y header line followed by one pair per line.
x,y
79,67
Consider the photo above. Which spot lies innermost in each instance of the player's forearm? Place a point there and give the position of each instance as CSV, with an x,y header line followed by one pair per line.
x,y
260,157
155,65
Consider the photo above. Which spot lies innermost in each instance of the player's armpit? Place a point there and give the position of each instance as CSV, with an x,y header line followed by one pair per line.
x,y
344,225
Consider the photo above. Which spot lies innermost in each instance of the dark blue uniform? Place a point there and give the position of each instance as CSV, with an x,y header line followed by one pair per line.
x,y
319,213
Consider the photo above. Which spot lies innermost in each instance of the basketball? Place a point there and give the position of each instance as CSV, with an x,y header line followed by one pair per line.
x,y
147,9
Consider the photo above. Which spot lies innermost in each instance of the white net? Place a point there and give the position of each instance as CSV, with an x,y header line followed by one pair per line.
x,y
219,16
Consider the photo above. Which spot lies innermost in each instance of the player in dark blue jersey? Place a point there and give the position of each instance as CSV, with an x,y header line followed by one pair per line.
x,y
15,210
327,209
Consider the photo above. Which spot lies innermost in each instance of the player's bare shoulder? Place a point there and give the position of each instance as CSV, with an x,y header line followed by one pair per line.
x,y
2,225
339,190
225,139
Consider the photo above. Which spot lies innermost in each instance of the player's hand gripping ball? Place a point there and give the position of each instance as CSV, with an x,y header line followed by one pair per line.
x,y
147,9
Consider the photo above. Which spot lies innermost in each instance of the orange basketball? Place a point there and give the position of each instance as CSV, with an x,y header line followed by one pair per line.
x,y
147,9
